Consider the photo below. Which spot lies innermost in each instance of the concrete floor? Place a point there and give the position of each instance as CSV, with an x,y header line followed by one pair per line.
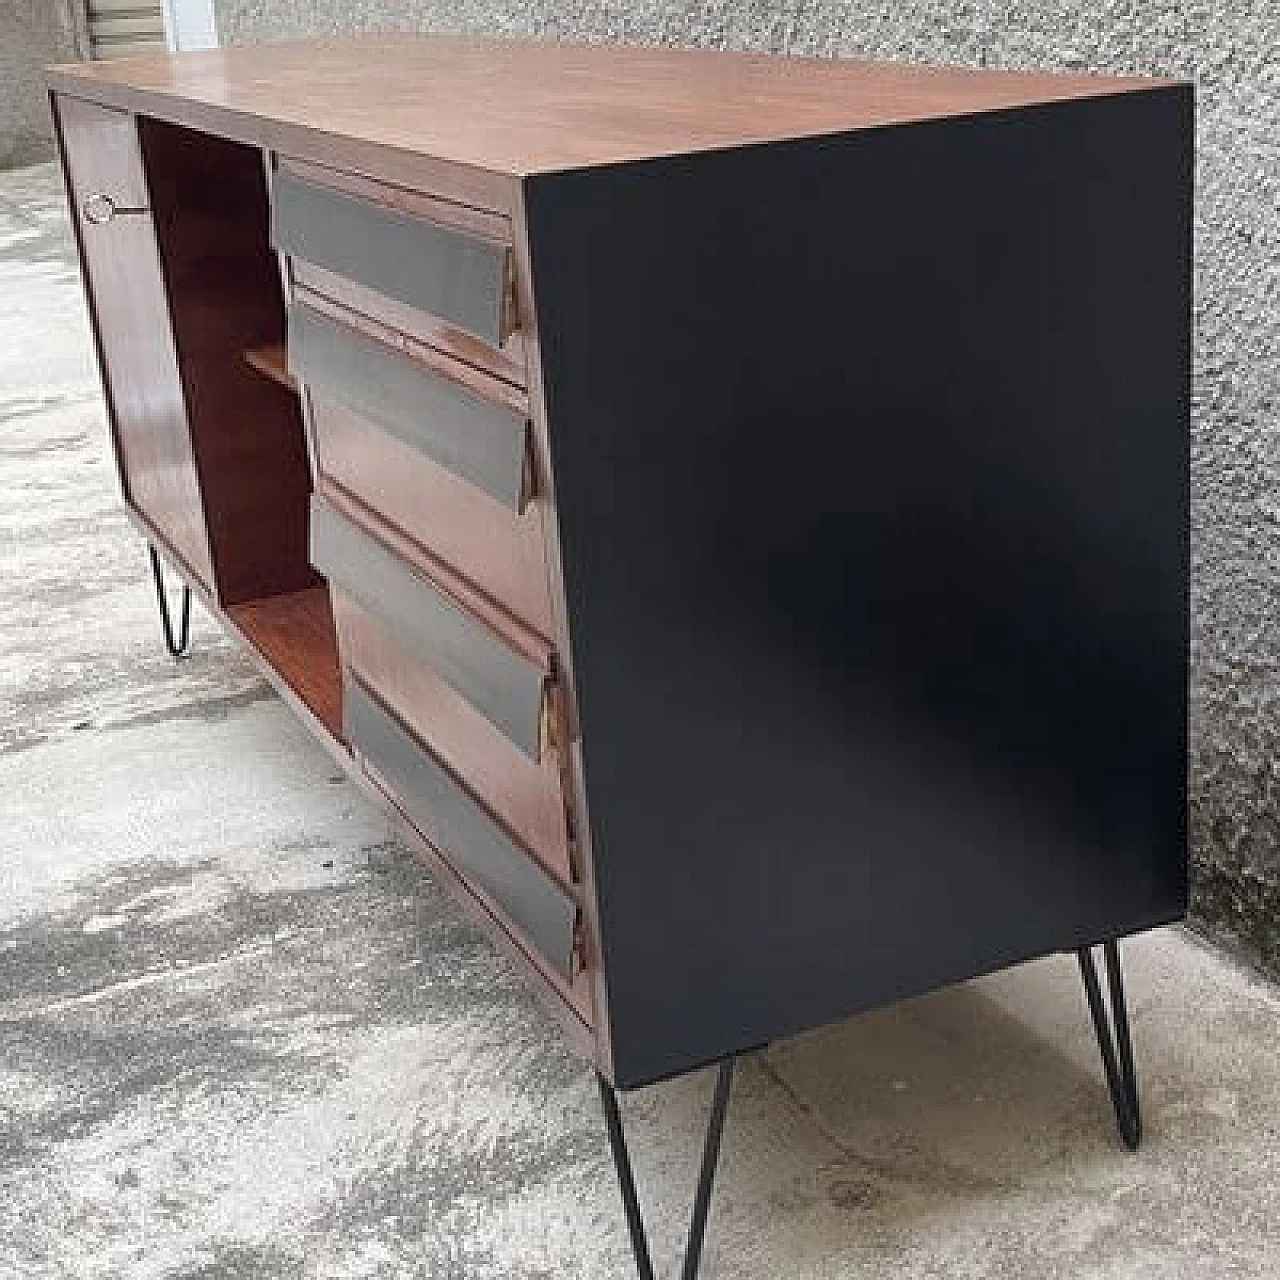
x,y
242,1035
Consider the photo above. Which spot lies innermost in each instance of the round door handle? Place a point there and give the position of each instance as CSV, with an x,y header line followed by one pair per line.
x,y
100,208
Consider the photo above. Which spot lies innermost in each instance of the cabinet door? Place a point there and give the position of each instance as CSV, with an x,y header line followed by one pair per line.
x,y
125,281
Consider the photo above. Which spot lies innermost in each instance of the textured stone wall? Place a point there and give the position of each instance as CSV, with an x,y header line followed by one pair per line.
x,y
33,34
1231,49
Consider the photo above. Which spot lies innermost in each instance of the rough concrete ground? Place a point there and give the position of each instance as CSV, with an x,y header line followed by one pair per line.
x,y
242,1036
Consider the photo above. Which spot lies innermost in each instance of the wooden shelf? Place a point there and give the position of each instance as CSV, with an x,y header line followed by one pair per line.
x,y
294,635
270,362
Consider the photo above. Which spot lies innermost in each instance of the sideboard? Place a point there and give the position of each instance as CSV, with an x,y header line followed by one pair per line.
x,y
731,511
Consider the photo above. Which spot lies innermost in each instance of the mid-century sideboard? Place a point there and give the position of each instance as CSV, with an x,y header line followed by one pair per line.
x,y
732,511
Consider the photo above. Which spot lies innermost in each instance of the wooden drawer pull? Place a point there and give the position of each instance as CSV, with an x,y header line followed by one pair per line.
x,y
479,441
461,279
460,830
504,686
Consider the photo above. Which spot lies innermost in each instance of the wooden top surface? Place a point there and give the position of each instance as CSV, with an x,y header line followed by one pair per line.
x,y
517,108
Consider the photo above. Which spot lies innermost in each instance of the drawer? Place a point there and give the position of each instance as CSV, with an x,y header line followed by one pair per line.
x,y
526,796
462,278
538,908
480,442
507,687
498,553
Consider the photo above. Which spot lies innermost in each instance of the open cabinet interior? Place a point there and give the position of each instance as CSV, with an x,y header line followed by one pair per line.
x,y
210,206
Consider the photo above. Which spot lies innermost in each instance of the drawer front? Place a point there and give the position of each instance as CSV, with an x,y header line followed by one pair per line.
x,y
463,279
483,443
501,554
506,687
526,796
461,831
325,289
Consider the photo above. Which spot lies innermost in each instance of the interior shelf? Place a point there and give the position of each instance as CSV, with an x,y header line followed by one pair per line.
x,y
294,634
270,361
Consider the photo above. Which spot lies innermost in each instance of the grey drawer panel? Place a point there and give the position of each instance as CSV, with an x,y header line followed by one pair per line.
x,y
457,277
481,442
461,830
503,685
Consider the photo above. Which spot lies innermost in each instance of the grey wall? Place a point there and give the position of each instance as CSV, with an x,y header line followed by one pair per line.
x,y
33,34
1231,49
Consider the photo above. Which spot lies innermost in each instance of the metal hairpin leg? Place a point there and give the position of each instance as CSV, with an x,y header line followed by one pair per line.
x,y
178,647
1113,1040
702,1199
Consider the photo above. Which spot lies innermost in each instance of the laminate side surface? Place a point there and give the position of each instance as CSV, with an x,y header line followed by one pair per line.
x,y
878,589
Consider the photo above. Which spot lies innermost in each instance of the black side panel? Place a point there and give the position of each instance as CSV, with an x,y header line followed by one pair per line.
x,y
871,455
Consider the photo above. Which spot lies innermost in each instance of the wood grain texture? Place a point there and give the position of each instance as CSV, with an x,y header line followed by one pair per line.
x,y
504,684
522,794
294,634
500,554
521,637
269,360
539,107
443,345
569,753
139,360
482,443
210,202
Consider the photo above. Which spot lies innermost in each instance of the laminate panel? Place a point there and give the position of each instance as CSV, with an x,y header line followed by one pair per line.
x,y
481,442
293,633
523,794
210,203
543,107
130,305
441,209
878,589
570,747
333,294
434,268
536,905
499,553
504,686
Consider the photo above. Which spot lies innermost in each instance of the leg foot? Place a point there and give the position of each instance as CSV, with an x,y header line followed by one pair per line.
x,y
1114,1041
177,646
706,1177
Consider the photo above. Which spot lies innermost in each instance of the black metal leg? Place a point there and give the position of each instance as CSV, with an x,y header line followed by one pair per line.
x,y
1114,1041
178,647
626,1178
706,1177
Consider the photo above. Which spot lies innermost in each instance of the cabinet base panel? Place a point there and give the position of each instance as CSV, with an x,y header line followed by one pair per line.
x,y
294,634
